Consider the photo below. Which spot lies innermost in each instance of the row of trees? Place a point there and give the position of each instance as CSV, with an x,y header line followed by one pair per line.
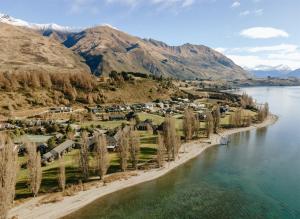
x,y
100,154
128,151
8,174
191,122
66,87
171,140
240,118
36,80
9,168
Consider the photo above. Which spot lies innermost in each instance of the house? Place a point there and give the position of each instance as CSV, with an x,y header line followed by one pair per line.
x,y
224,109
41,147
96,109
137,107
6,126
59,136
117,117
149,106
131,115
160,105
63,109
64,147
111,143
201,115
144,125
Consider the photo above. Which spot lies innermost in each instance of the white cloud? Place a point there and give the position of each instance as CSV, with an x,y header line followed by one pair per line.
x,y
258,11
255,57
181,3
188,3
263,33
245,13
295,56
78,6
126,2
282,48
236,4
252,62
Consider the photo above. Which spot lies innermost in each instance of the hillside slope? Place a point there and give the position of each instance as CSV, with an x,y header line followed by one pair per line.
x,y
22,49
106,49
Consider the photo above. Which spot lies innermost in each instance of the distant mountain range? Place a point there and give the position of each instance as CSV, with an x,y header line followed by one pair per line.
x,y
295,73
105,48
277,71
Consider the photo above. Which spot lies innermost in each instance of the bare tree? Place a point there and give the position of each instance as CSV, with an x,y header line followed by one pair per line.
x,y
216,118
8,174
35,81
134,148
246,120
84,156
177,146
263,112
266,109
160,151
169,133
209,124
46,80
34,168
246,101
188,124
235,119
102,156
123,146
196,125
62,173
149,128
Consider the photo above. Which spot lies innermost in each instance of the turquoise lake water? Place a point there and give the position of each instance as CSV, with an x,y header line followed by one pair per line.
x,y
256,176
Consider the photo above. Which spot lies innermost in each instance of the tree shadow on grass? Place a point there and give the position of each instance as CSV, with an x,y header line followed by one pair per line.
x,y
148,151
149,140
49,182
114,168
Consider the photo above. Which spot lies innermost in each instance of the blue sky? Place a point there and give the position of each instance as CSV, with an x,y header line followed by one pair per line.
x,y
254,33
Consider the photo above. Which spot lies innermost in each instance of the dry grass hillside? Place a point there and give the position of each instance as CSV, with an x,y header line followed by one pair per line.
x,y
106,49
91,91
23,50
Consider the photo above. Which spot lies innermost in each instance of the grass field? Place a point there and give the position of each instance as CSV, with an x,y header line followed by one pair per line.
x,y
50,172
147,153
156,119
104,124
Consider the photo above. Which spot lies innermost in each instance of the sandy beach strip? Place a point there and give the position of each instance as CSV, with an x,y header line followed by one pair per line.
x,y
70,204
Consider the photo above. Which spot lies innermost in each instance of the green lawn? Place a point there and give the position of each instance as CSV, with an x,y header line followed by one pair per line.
x,y
34,138
50,172
104,124
157,120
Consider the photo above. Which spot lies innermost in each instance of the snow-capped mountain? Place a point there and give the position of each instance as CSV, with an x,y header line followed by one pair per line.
x,y
270,68
263,71
4,18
